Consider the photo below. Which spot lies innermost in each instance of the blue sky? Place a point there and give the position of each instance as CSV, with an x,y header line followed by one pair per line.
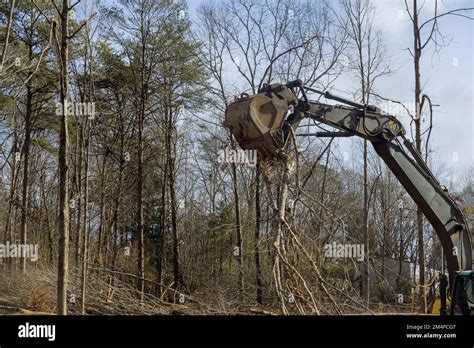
x,y
447,78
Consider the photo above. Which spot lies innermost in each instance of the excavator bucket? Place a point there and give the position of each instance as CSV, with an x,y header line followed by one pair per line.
x,y
257,121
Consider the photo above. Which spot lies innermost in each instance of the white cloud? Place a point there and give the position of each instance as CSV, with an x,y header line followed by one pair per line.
x,y
391,18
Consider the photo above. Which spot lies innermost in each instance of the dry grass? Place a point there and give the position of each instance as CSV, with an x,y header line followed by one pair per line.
x,y
35,291
40,300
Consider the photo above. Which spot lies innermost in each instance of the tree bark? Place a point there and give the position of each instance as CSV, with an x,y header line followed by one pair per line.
x,y
419,214
238,227
26,155
140,233
85,232
171,157
102,245
63,258
366,277
258,270
78,177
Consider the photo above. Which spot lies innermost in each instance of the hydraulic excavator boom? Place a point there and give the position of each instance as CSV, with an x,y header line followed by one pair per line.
x,y
264,122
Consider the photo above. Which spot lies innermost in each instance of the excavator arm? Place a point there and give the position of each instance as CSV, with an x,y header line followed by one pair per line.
x,y
385,132
264,122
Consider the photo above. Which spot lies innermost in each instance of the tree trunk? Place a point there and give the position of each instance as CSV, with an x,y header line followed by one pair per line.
x,y
10,221
140,232
63,258
26,155
101,247
78,176
85,232
162,229
140,258
419,214
366,277
116,212
258,271
171,156
238,227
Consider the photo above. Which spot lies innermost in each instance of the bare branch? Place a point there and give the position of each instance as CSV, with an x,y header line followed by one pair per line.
x,y
449,13
82,26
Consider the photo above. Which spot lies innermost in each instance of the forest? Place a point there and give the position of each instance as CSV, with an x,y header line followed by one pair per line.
x,y
125,193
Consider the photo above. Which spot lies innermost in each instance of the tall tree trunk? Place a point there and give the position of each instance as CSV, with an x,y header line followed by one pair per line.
x,y
140,232
419,214
116,212
400,253
10,221
162,229
85,232
49,226
238,227
102,246
366,277
26,155
63,258
258,270
140,258
171,156
78,176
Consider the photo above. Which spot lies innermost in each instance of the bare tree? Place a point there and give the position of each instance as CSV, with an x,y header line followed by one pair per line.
x,y
368,61
425,33
63,261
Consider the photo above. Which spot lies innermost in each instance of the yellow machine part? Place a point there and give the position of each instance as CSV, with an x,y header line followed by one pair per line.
x,y
437,306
